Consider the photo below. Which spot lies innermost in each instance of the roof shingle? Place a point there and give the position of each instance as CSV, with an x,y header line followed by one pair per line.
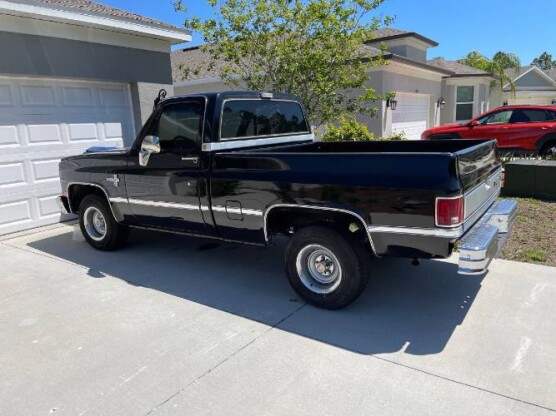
x,y
93,7
456,67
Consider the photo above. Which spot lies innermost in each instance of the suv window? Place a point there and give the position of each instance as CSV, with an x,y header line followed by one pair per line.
x,y
257,118
178,127
536,116
500,117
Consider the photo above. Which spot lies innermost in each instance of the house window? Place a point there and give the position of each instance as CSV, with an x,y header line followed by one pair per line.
x,y
464,103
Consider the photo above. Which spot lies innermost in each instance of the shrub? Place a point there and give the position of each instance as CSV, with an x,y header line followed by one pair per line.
x,y
348,130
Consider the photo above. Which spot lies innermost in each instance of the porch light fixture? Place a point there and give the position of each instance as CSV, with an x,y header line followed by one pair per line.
x,y
554,101
393,104
505,103
441,103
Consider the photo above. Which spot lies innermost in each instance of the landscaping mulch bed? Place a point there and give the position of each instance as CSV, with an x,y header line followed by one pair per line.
x,y
533,237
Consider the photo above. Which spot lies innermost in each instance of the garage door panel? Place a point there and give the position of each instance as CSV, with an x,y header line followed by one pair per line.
x,y
12,174
6,95
15,213
8,136
78,96
38,96
42,121
45,169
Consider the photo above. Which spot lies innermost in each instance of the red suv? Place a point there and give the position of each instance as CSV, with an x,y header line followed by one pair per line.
x,y
516,128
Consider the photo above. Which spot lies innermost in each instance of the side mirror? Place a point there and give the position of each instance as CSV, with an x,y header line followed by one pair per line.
x,y
473,123
150,145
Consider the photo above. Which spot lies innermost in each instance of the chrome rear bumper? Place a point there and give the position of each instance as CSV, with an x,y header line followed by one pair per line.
x,y
483,242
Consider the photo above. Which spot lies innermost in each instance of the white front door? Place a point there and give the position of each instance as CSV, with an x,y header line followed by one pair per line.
x,y
411,116
41,121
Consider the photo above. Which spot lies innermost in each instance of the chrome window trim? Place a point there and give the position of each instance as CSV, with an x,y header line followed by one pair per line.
x,y
108,199
345,211
240,144
284,100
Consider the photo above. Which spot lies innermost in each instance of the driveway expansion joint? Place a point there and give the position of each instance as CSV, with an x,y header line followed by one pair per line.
x,y
225,360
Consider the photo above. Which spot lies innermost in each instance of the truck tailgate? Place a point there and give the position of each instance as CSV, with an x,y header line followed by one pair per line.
x,y
479,171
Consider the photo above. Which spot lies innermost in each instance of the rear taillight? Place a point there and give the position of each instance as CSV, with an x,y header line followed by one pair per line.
x,y
449,211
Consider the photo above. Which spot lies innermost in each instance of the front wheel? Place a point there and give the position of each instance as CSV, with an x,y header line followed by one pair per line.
x,y
325,268
99,226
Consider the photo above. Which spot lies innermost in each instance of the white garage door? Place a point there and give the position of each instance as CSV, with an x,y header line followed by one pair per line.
x,y
412,115
42,121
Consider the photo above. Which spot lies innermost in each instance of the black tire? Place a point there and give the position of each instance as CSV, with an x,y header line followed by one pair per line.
x,y
351,255
92,208
549,150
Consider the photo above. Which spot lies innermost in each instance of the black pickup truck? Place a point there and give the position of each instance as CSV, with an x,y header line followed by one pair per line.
x,y
244,167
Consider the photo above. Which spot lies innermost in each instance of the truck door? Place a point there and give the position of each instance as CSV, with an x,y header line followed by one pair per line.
x,y
165,192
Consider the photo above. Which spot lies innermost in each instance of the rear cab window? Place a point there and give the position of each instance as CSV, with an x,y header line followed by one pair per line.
x,y
256,118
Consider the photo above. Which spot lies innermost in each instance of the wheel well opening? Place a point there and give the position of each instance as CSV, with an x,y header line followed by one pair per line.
x,y
77,192
288,220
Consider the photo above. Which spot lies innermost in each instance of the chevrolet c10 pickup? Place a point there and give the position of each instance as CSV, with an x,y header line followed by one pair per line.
x,y
245,167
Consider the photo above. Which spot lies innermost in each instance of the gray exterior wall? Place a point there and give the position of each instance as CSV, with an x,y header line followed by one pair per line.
x,y
142,96
55,57
411,52
449,94
533,79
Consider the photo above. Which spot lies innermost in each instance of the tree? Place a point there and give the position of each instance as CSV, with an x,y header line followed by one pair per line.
x,y
496,66
544,61
310,48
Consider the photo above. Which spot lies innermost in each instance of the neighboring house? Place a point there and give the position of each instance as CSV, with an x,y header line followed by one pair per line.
x,y
532,86
420,84
73,74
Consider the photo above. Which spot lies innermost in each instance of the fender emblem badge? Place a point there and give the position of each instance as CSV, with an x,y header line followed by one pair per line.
x,y
115,180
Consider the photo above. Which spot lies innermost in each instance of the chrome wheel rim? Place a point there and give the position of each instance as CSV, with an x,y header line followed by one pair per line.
x,y
95,223
319,269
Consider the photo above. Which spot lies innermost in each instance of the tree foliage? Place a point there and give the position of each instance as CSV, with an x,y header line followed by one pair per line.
x,y
544,61
310,48
497,66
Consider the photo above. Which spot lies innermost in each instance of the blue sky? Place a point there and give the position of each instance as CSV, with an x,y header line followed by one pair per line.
x,y
523,27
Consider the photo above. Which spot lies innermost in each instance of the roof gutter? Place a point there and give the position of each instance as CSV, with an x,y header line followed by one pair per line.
x,y
70,15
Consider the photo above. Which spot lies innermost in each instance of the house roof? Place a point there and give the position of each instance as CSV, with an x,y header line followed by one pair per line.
x,y
387,33
458,69
91,8
198,59
513,74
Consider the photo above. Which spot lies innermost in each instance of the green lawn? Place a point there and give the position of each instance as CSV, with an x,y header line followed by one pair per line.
x,y
533,237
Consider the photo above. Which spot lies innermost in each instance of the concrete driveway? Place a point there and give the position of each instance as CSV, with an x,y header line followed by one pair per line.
x,y
173,325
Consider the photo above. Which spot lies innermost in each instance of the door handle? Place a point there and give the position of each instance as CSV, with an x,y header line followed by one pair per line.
x,y
190,159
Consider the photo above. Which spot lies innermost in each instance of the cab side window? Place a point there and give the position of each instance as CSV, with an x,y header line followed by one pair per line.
x,y
178,128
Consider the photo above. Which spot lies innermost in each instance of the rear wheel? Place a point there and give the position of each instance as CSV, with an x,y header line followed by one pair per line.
x,y
325,268
98,225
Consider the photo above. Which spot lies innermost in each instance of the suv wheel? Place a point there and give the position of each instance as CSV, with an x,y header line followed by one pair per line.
x,y
98,225
549,150
325,268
